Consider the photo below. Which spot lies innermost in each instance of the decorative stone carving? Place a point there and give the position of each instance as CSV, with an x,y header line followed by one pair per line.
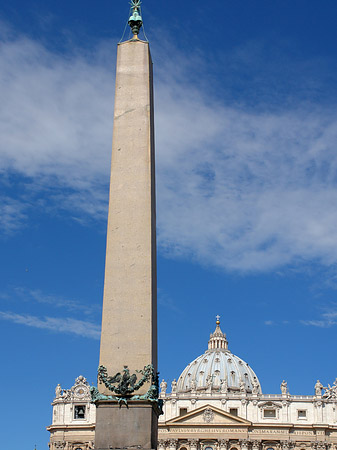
x,y
318,388
193,386
255,388
172,443
321,446
270,405
284,387
79,392
193,401
193,443
244,444
208,415
209,382
224,444
242,386
174,386
59,445
224,386
161,443
58,391
81,389
256,445
285,445
331,391
163,387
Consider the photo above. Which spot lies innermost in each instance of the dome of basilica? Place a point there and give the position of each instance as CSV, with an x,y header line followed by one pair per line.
x,y
218,370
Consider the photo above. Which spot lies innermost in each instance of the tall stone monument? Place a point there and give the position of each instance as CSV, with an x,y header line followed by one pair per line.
x,y
127,395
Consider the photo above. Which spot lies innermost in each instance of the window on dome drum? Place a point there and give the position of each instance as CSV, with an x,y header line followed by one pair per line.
x,y
208,448
233,411
79,412
182,411
269,413
302,414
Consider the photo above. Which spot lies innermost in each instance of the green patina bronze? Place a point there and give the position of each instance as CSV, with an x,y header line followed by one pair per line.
x,y
135,21
123,385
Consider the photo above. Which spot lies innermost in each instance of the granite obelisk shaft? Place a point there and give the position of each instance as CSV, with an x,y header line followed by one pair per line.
x,y
129,320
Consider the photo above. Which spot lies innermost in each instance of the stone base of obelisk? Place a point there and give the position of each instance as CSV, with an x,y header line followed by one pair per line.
x,y
126,427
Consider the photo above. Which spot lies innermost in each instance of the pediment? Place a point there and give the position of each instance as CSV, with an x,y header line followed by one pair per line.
x,y
208,415
270,404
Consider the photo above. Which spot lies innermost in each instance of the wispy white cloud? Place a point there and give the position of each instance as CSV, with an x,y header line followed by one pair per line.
x,y
242,189
326,319
12,214
55,126
36,295
58,325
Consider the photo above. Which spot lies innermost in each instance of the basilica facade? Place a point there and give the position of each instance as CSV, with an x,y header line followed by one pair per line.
x,y
216,404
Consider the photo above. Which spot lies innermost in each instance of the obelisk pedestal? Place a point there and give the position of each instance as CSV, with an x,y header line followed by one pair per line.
x,y
129,320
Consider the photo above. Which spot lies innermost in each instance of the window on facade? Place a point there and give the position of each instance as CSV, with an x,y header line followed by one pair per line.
x,y
302,414
233,411
79,412
208,448
182,411
269,413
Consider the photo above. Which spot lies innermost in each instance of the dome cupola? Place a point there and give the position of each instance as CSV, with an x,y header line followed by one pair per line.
x,y
218,370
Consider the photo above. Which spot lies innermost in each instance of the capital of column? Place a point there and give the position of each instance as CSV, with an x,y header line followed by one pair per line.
x,y
172,443
224,444
321,446
193,443
162,443
256,444
285,445
244,444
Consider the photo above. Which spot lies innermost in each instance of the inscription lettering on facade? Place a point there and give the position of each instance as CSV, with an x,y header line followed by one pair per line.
x,y
207,430
266,431
303,432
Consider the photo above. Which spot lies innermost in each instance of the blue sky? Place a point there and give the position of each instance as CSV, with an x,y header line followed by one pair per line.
x,y
246,128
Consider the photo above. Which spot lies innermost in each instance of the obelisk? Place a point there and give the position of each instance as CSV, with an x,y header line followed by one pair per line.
x,y
127,410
